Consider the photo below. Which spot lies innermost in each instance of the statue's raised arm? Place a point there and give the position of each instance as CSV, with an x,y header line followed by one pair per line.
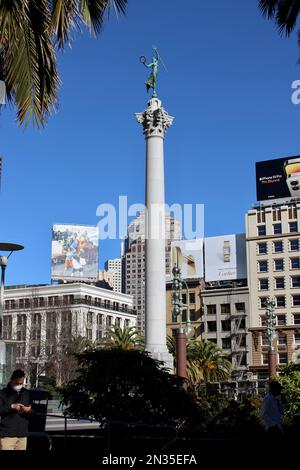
x,y
151,82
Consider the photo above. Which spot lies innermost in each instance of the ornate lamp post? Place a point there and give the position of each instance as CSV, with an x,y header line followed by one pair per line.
x,y
183,332
271,324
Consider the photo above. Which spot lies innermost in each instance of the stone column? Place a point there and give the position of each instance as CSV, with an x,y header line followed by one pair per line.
x,y
155,121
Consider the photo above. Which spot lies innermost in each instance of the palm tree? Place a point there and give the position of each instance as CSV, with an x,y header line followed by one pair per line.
x,y
127,338
192,371
205,360
210,360
284,12
31,33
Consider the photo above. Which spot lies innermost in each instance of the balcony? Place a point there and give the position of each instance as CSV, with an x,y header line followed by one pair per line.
x,y
68,303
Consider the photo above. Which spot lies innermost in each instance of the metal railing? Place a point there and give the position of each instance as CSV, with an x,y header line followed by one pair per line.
x,y
105,424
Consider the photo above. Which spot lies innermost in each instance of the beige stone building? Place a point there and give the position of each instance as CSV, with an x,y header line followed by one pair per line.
x,y
195,304
273,258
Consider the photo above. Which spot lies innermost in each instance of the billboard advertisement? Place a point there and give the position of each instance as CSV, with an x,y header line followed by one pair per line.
x,y
188,256
225,258
276,179
74,252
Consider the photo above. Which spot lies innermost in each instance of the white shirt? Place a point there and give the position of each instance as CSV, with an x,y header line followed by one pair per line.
x,y
271,412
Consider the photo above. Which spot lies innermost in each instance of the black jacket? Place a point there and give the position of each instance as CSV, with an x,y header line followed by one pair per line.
x,y
13,423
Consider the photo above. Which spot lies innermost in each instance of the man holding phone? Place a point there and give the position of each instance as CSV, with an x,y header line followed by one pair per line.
x,y
14,410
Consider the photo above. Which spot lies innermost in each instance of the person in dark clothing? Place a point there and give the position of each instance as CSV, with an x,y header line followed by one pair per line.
x,y
14,410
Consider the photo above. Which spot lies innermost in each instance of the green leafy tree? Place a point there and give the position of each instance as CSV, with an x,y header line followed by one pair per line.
x,y
128,385
127,337
205,360
290,380
31,33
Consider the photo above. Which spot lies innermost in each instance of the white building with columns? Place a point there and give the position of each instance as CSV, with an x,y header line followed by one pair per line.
x,y
38,317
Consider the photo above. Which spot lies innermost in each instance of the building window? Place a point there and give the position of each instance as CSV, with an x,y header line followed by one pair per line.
x,y
264,284
278,264
295,263
226,325
192,297
211,309
297,338
277,229
281,320
263,266
262,248
240,307
211,326
264,359
282,339
264,339
226,343
294,244
193,314
262,320
225,308
282,358
295,281
296,318
278,247
293,226
279,283
261,230
261,216
184,298
280,301
262,301
296,300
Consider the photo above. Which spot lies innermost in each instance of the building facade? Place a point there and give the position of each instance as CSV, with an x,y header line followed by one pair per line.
x,y
273,259
193,298
114,266
42,319
134,261
225,321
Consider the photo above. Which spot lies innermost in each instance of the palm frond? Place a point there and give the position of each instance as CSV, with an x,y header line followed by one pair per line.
x,y
284,12
30,61
268,7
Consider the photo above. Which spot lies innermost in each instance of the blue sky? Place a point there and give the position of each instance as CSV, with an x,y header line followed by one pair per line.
x,y
228,86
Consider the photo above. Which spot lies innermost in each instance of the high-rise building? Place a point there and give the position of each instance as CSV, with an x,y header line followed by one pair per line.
x,y
114,266
134,261
273,258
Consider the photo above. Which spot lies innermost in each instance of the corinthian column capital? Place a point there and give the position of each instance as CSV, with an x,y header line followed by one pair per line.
x,y
155,119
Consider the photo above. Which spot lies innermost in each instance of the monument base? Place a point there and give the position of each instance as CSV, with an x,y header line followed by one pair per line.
x,y
165,357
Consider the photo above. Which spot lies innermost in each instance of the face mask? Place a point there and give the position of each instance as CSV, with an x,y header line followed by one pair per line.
x,y
17,388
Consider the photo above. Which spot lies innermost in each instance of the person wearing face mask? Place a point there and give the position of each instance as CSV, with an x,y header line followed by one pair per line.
x,y
14,411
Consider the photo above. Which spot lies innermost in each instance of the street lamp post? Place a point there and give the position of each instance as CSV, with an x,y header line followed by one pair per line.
x,y
186,331
4,247
271,324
